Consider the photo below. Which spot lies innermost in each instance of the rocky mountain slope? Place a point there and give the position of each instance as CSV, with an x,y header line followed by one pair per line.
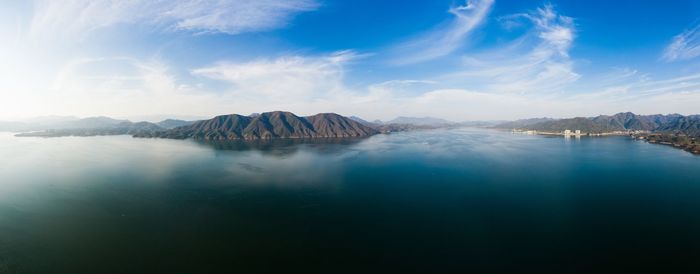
x,y
625,121
268,125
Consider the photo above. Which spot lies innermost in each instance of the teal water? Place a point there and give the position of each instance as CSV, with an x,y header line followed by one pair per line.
x,y
426,201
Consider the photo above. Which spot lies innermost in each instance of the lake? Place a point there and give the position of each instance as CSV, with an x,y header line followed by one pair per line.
x,y
425,201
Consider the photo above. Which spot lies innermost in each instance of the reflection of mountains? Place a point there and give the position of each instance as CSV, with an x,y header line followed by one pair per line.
x,y
284,146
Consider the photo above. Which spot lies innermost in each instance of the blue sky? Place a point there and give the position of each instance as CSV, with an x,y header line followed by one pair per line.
x,y
460,60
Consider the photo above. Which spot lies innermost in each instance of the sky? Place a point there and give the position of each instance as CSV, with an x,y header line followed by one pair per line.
x,y
458,60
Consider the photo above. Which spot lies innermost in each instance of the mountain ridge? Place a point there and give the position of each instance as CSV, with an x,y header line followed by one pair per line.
x,y
122,128
173,123
419,121
623,121
268,125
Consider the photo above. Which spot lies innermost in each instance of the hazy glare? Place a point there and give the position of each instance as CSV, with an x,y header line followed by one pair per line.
x,y
467,60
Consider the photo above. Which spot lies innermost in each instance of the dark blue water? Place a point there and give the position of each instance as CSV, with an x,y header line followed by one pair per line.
x,y
458,201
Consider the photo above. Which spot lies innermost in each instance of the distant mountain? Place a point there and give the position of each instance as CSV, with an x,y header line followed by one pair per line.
x,y
389,128
689,125
14,126
522,123
625,121
60,123
50,120
419,121
140,128
173,123
90,123
123,128
481,123
268,125
363,121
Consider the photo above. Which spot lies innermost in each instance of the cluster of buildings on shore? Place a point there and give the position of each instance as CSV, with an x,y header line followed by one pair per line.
x,y
576,133
679,140
579,133
566,133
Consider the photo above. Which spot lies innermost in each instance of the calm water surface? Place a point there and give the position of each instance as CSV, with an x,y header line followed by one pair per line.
x,y
429,201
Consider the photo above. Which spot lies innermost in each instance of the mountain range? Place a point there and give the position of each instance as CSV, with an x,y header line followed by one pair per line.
x,y
173,123
268,125
365,122
523,123
419,121
624,121
280,124
277,124
56,126
122,128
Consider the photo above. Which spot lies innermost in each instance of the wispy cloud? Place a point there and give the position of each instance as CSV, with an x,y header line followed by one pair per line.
x,y
673,95
446,39
285,79
537,62
535,74
644,87
77,17
235,16
555,29
684,46
119,86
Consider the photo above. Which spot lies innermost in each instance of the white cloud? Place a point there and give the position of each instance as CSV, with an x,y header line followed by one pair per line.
x,y
400,85
538,62
306,85
77,17
445,40
130,87
462,104
118,86
529,77
284,79
644,87
684,46
557,30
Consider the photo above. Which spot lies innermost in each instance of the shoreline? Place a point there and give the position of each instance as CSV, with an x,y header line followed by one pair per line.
x,y
689,144
684,142
577,134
